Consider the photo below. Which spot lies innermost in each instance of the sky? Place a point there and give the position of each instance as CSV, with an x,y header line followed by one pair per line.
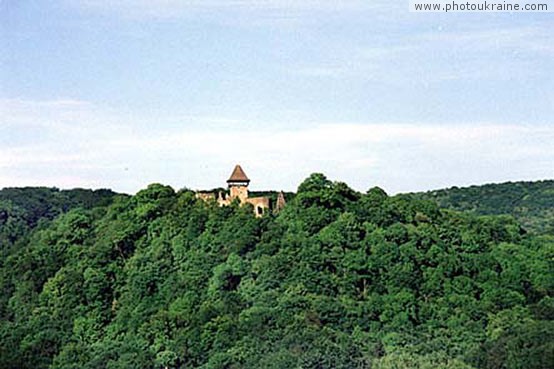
x,y
121,94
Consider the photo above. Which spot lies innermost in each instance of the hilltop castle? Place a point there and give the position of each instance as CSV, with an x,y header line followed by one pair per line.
x,y
238,189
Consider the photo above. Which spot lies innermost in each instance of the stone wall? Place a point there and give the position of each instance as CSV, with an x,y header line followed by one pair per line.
x,y
261,205
238,191
206,196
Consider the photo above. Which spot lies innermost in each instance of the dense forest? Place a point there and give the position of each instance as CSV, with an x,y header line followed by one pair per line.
x,y
22,209
531,203
337,279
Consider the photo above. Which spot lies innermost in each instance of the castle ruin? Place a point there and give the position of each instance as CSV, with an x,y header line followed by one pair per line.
x,y
238,189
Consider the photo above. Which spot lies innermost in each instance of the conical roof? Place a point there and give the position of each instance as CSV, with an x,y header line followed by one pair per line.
x,y
238,175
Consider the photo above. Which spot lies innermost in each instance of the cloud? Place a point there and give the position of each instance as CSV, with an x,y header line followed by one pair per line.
x,y
191,4
78,151
475,53
168,9
20,111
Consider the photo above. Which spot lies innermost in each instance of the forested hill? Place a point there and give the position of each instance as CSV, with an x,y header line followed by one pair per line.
x,y
21,209
531,203
338,279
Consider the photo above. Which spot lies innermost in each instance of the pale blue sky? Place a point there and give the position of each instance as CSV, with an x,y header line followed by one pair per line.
x,y
119,94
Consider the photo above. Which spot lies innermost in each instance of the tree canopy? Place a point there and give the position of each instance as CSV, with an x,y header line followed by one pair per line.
x,y
337,279
531,203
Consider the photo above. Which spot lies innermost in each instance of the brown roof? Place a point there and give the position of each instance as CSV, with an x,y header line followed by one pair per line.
x,y
238,175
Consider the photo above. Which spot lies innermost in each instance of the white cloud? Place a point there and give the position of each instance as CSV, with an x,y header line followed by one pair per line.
x,y
188,4
19,111
398,157
179,8
483,52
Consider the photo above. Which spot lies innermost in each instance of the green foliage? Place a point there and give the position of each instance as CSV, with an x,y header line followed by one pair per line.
x,y
531,203
22,209
338,279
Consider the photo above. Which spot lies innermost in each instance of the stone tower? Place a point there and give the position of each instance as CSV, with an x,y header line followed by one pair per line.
x,y
238,188
238,184
280,203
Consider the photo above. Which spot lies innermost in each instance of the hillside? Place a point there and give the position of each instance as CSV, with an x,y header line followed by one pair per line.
x,y
531,203
21,209
338,279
